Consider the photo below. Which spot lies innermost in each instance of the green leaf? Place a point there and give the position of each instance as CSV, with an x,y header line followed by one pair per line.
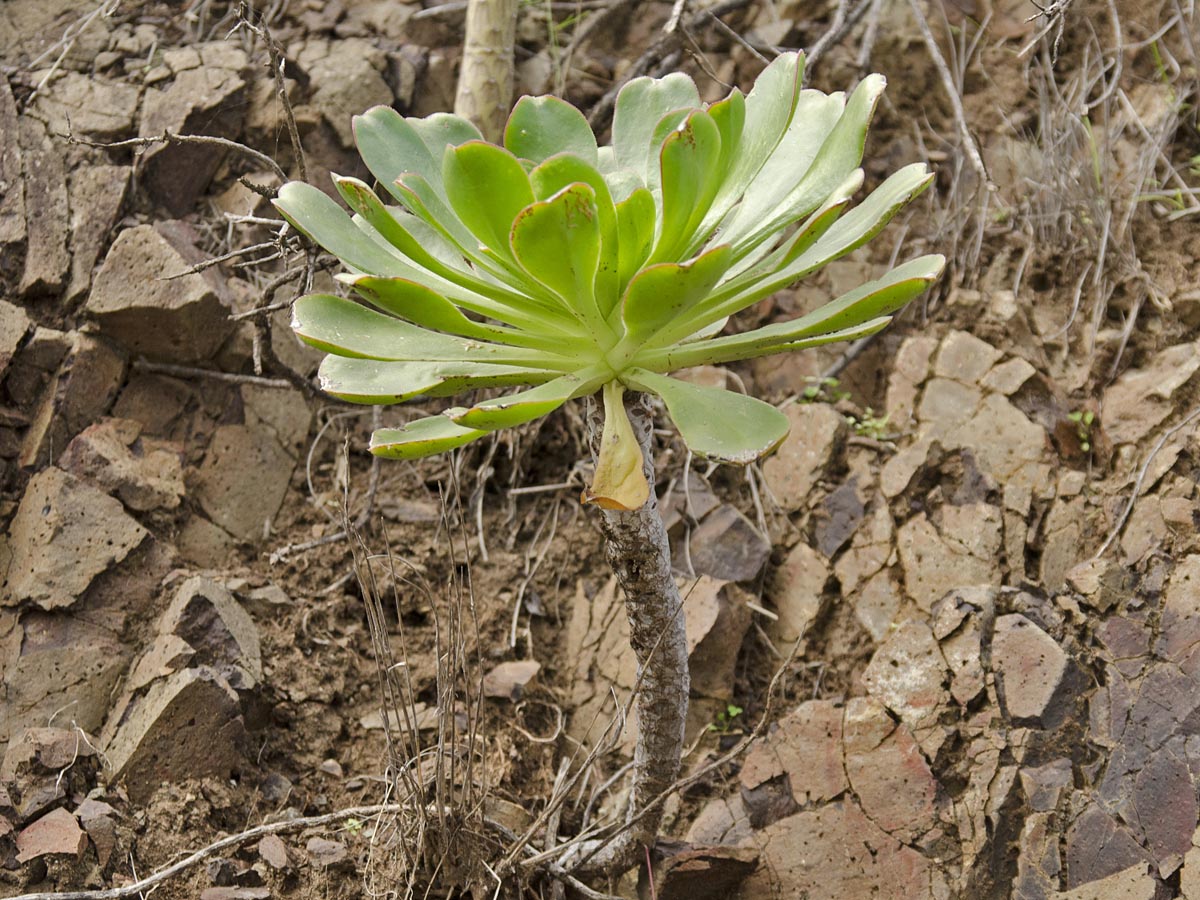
x,y
416,303
319,218
390,146
487,187
716,424
815,116
690,161
363,201
424,437
769,111
525,406
440,130
868,304
840,154
345,328
563,170
635,234
557,241
386,381
666,292
540,127
712,353
640,106
730,117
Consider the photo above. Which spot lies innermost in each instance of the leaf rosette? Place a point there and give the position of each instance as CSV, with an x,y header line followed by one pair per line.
x,y
562,268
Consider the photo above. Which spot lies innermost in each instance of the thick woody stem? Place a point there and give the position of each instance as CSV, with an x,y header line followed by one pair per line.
x,y
485,79
639,553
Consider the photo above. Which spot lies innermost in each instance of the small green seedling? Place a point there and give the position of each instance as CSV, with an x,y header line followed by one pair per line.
x,y
725,723
870,425
1084,420
824,390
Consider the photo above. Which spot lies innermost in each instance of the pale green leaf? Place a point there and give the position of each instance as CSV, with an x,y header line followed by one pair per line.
x,y
666,292
690,167
540,127
319,218
389,381
424,437
487,187
563,170
715,424
390,146
640,106
635,234
346,328
525,406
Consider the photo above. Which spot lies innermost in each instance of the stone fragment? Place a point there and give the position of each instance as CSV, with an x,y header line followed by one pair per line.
x,y
187,725
1008,377
798,763
509,680
45,751
79,392
816,431
886,771
722,820
1134,883
47,260
1039,859
717,621
797,592
1140,399
1044,785
205,100
325,852
876,605
56,833
221,634
1179,631
909,371
136,301
274,853
206,545
232,892
346,76
957,626
97,194
1033,672
728,547
964,357
697,873
87,106
143,473
55,663
12,189
836,851
14,326
64,534
243,480
908,675
284,413
1097,847
870,550
1102,583
839,517
934,564
102,831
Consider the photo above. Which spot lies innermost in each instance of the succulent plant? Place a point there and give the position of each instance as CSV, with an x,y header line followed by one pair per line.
x,y
565,268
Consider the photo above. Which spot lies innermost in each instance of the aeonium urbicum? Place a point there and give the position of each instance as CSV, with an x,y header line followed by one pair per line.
x,y
565,268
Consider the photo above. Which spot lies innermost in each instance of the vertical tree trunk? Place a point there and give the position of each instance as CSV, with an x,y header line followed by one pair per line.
x,y
485,80
640,555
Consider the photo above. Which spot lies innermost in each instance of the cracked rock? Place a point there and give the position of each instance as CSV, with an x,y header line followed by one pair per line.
x,y
1138,402
12,189
97,194
728,547
187,725
347,78
47,260
183,320
1032,671
697,873
798,592
908,675
208,99
87,106
816,431
65,533
145,474
963,552
56,833
508,680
